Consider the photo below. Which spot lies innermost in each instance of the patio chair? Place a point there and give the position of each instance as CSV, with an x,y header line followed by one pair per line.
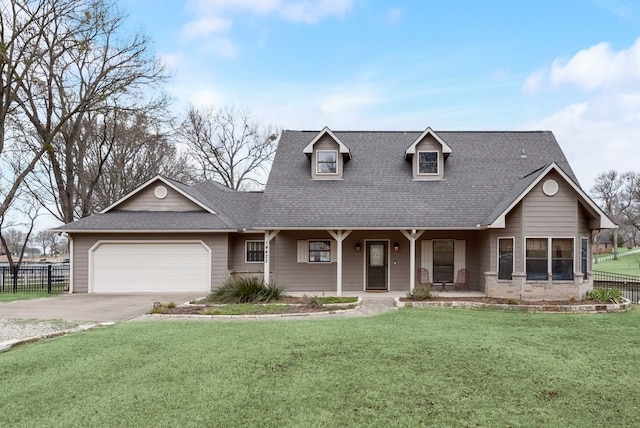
x,y
423,277
462,279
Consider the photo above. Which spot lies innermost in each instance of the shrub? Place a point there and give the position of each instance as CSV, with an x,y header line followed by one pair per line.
x,y
246,290
162,309
606,295
171,305
420,293
311,302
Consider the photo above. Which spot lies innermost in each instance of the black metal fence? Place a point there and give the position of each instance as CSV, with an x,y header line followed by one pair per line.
x,y
629,285
34,279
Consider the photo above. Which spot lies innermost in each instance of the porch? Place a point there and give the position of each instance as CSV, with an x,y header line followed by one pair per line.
x,y
392,294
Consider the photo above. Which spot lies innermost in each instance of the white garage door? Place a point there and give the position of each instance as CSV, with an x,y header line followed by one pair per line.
x,y
145,267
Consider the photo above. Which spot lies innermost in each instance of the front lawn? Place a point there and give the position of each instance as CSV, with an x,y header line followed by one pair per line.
x,y
411,367
627,265
10,297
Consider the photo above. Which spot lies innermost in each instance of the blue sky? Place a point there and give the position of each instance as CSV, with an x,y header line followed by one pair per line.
x,y
572,67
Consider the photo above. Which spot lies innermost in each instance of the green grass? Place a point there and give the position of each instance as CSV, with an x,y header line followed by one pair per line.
x,y
411,367
330,300
10,297
627,265
247,308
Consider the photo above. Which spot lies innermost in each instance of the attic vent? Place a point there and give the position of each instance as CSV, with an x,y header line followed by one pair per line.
x,y
523,155
550,187
160,192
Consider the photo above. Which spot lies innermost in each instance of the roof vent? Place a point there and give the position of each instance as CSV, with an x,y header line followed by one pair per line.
x,y
523,155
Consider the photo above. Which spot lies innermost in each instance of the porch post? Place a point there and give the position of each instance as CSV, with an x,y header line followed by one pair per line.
x,y
339,236
412,237
268,236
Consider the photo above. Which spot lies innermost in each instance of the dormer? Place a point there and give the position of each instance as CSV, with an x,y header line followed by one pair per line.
x,y
328,155
427,155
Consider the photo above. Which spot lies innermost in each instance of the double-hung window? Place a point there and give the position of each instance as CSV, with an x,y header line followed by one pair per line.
x,y
427,162
505,258
319,251
584,257
537,254
326,162
254,251
545,253
562,258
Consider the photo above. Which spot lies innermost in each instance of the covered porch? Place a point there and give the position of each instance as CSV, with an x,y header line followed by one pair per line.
x,y
347,261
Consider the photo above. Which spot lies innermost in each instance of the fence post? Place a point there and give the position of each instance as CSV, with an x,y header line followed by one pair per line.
x,y
49,279
15,278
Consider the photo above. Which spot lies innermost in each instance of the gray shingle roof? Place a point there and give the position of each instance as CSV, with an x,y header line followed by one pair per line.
x,y
481,174
147,220
484,174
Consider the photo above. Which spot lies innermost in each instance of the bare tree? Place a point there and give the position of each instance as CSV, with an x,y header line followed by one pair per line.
x,y
228,146
113,155
13,237
46,240
60,62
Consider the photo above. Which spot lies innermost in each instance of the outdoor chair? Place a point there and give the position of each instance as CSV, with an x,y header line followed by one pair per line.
x,y
462,279
423,277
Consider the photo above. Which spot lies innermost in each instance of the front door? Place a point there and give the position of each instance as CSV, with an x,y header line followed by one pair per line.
x,y
377,265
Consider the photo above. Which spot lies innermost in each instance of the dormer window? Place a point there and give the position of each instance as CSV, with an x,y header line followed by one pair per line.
x,y
327,162
427,162
427,155
328,156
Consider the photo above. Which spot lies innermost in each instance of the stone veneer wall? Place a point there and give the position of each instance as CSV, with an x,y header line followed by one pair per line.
x,y
521,289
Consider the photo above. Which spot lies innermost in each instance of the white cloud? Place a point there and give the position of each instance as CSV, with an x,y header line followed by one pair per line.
x,y
597,135
205,26
307,11
598,66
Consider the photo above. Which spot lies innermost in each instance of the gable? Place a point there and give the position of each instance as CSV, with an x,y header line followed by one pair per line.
x,y
552,182
157,196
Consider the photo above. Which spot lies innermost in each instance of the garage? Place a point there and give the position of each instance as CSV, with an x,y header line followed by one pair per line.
x,y
149,267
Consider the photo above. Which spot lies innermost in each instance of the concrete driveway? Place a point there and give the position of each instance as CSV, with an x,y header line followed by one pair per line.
x,y
90,307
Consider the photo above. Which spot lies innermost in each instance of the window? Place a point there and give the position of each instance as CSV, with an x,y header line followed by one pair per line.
x,y
326,162
584,257
427,162
505,258
537,258
562,258
254,251
443,260
554,252
319,251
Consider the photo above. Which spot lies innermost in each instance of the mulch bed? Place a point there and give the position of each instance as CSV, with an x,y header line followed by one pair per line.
x,y
287,305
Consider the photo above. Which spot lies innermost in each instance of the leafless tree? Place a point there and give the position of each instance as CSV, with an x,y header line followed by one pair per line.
x,y
114,155
228,146
15,236
47,240
70,61
619,195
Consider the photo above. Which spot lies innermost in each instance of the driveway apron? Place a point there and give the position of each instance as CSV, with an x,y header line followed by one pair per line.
x,y
90,307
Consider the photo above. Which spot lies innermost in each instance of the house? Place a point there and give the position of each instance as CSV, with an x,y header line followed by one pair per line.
x,y
498,212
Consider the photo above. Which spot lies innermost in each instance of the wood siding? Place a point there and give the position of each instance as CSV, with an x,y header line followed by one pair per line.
x,y
237,256
145,200
550,215
82,243
318,277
